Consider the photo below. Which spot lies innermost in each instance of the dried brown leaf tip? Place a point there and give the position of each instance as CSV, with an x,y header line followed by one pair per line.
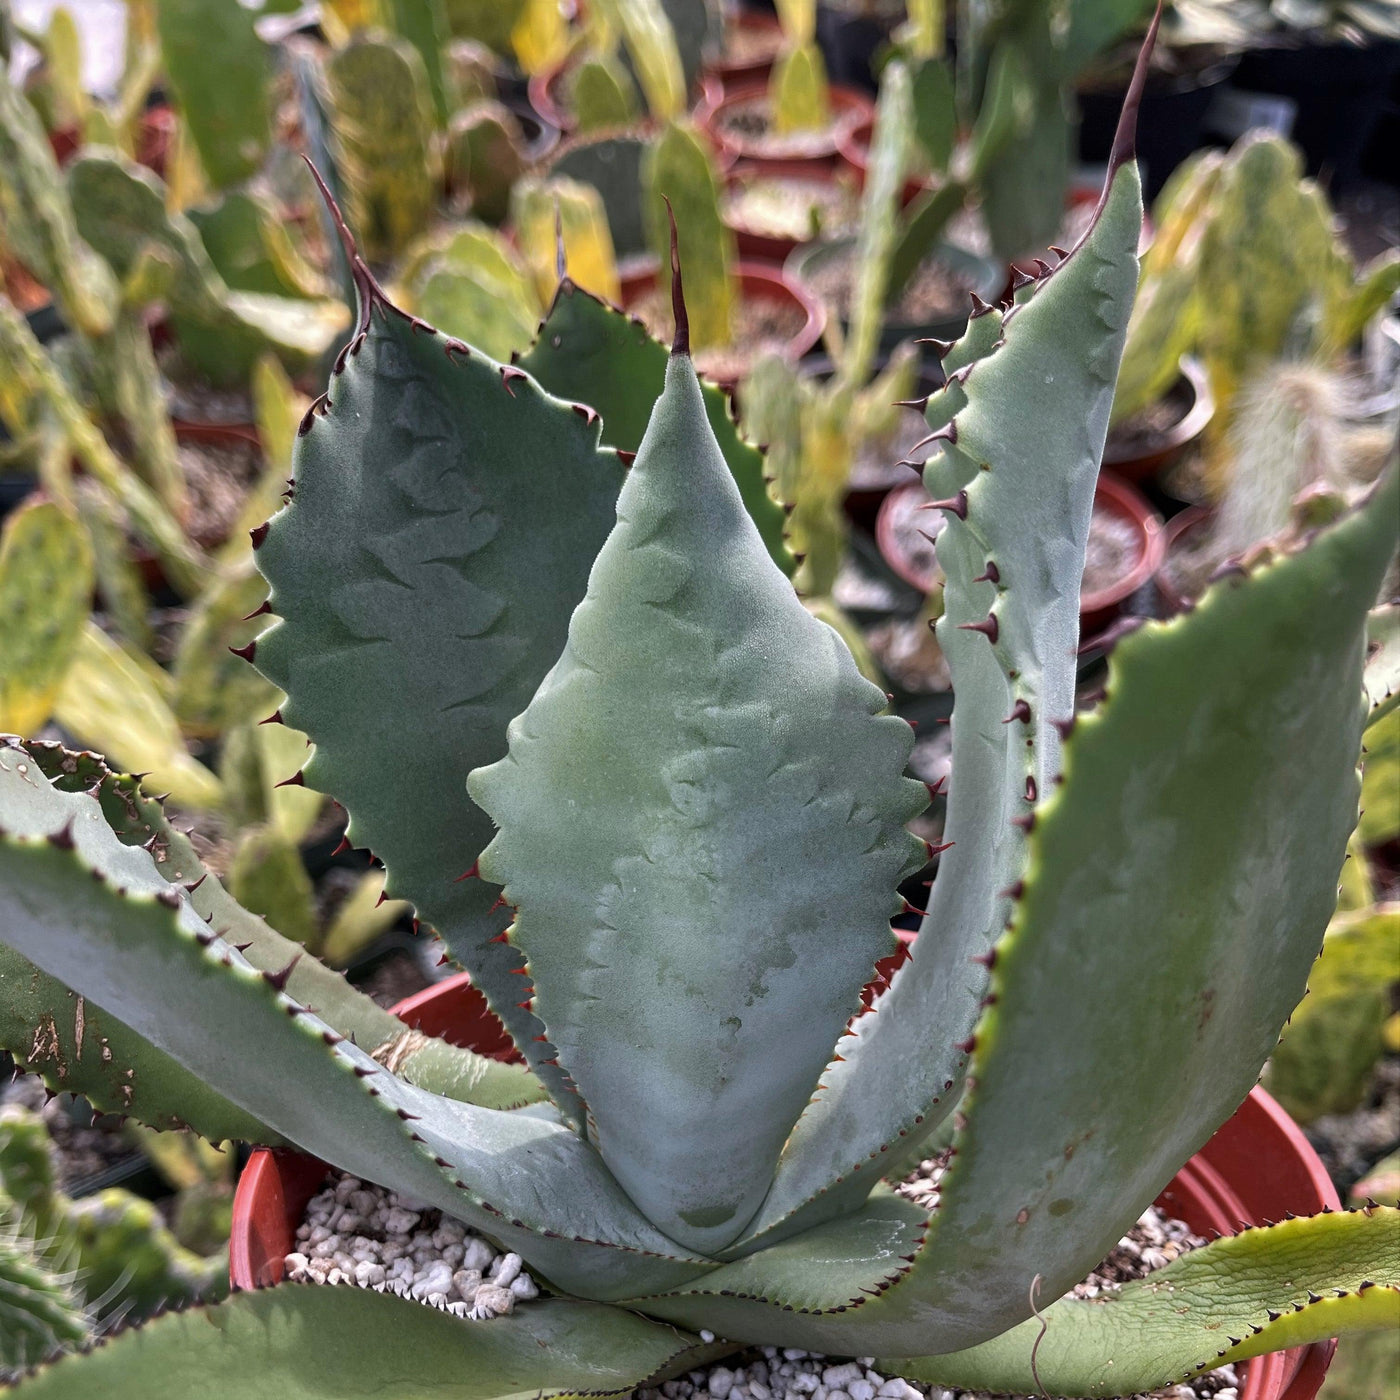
x,y
680,345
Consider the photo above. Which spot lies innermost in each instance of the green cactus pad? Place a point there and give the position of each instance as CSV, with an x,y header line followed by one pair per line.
x,y
679,168
485,152
46,575
738,740
594,353
221,75
381,112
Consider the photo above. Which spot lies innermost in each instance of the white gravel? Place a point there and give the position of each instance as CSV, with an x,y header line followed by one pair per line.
x,y
360,1234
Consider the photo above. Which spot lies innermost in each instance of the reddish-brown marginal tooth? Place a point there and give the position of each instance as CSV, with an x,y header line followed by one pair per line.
x,y
626,458
988,627
296,780
1020,710
979,307
1043,267
471,874
992,574
246,652
258,534
589,415
957,504
1026,823
508,373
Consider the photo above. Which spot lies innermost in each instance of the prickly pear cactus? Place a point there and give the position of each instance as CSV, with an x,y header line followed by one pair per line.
x,y
601,94
679,169
221,75
46,577
542,210
798,91
381,113
485,157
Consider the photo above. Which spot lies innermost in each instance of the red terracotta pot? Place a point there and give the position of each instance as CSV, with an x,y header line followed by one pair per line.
x,y
1181,525
1256,1168
765,37
1095,609
854,146
758,282
847,107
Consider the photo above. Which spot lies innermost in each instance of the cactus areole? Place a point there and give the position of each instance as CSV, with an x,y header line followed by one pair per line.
x,y
650,804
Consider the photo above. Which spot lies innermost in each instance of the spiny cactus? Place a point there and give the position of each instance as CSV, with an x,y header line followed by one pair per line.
x,y
644,706
40,1311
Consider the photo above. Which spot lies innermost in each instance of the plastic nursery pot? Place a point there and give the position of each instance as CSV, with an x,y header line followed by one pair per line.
x,y
1141,547
757,282
277,1183
751,44
721,109
768,244
1256,1168
1139,453
815,265
549,95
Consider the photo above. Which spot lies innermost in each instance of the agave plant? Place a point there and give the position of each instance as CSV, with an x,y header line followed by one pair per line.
x,y
486,622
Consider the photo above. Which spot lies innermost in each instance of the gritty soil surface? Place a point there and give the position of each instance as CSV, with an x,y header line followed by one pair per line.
x,y
218,477
759,326
86,1143
934,292
778,206
1114,548
1350,1144
1145,430
749,124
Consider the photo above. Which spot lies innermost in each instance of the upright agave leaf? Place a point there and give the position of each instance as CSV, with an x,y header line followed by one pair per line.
x,y
702,827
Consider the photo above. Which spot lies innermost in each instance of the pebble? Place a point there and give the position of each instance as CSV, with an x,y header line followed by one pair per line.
x,y
363,1236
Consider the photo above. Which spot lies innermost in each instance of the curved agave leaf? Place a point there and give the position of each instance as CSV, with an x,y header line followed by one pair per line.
x,y
98,915
594,353
1193,849
1262,1290
702,827
422,481
309,1342
36,1000
1022,423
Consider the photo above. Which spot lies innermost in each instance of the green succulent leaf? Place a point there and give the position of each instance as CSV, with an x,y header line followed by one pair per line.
x,y
99,916
221,75
316,1343
1382,674
702,827
1026,490
1262,1290
591,352
137,820
409,584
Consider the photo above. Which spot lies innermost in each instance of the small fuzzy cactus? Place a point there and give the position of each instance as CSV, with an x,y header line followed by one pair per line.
x,y
697,824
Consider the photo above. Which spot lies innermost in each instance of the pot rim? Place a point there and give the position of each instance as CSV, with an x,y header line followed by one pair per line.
x,y
752,69
848,106
1110,493
1185,430
1259,1147
762,281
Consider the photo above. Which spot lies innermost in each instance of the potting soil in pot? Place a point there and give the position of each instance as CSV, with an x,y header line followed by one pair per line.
x,y
790,207
360,1235
218,477
759,326
932,293
1143,431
